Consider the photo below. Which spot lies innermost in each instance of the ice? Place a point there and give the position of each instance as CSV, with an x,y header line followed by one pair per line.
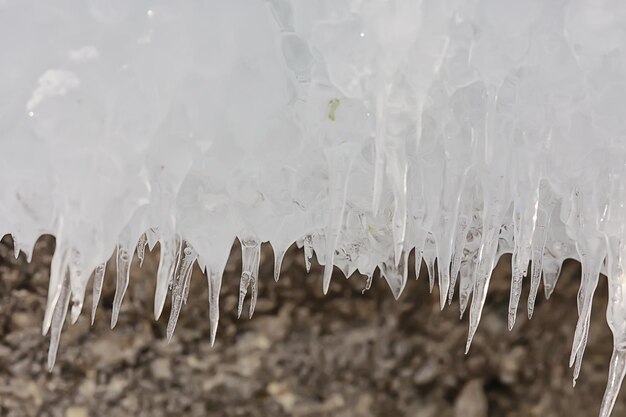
x,y
366,132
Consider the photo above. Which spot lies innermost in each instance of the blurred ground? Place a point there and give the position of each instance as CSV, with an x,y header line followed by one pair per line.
x,y
302,354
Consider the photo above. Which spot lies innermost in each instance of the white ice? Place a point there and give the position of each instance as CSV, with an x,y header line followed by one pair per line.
x,y
362,130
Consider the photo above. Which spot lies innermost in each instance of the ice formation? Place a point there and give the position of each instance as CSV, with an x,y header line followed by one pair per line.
x,y
360,129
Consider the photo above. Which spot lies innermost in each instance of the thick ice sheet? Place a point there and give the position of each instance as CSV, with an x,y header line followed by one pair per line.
x,y
362,130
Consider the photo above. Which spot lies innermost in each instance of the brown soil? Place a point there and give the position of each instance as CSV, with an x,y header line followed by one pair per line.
x,y
302,354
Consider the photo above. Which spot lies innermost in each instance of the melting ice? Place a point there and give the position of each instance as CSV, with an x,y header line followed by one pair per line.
x,y
361,130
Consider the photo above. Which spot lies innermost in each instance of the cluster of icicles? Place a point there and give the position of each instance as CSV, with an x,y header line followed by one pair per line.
x,y
361,129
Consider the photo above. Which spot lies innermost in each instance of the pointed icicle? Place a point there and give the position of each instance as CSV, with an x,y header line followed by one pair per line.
x,y
165,273
429,255
368,283
525,210
98,280
538,247
591,261
457,256
16,246
58,319
469,264
122,262
617,370
141,248
339,161
58,270
615,312
181,287
395,275
550,277
278,261
517,277
78,286
250,258
486,263
215,284
308,252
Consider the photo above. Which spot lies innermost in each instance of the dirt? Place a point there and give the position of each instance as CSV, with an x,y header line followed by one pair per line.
x,y
302,354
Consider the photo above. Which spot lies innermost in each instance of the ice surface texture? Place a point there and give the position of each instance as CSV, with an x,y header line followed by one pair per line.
x,y
360,129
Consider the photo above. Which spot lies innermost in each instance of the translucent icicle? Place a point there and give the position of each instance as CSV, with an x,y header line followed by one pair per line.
x,y
278,261
141,248
181,287
524,220
368,283
214,282
122,262
58,319
16,246
77,285
429,255
469,263
98,280
250,258
617,370
339,161
58,270
591,260
395,275
486,263
615,312
308,252
551,273
538,247
459,245
165,273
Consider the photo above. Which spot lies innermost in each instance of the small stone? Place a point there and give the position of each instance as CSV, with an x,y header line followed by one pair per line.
x,y
471,401
511,364
426,373
161,368
76,412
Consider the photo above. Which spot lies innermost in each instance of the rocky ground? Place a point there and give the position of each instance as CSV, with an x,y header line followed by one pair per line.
x,y
302,354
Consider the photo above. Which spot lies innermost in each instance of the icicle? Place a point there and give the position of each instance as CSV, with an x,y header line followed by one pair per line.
x,y
615,312
141,248
493,214
250,258
58,270
368,283
16,246
617,370
395,275
538,246
339,160
122,262
308,252
524,220
469,263
591,260
214,281
181,287
58,319
98,280
550,275
278,261
167,263
77,285
459,245
429,255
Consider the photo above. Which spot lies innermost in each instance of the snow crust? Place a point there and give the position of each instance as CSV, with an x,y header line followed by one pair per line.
x,y
360,129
